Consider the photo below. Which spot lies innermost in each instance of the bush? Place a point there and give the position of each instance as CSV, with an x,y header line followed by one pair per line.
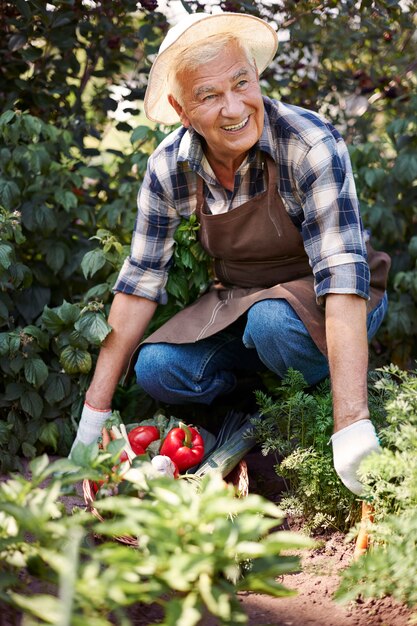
x,y
199,546
73,75
296,424
389,568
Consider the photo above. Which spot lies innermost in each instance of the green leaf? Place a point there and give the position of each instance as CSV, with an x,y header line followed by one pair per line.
x,y
177,285
57,387
9,194
14,391
17,41
4,432
7,117
39,465
75,361
4,344
52,321
6,255
141,132
412,247
93,327
67,199
14,343
41,337
36,372
90,172
92,262
405,168
83,455
33,126
28,450
4,311
69,313
16,363
58,319
43,219
49,435
31,403
45,607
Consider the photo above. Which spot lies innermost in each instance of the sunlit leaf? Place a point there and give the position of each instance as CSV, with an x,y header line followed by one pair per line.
x,y
75,361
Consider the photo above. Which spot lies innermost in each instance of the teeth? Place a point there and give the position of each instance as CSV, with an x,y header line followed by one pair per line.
x,y
237,126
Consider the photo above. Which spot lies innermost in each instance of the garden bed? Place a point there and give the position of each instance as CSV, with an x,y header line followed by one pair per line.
x,y
315,583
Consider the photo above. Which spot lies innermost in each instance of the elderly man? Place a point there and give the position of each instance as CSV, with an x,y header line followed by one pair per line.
x,y
273,190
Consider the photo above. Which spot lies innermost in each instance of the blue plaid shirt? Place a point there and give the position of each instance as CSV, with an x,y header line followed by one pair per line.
x,y
315,182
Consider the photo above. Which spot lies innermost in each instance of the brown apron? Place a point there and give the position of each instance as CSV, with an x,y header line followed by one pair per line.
x,y
258,253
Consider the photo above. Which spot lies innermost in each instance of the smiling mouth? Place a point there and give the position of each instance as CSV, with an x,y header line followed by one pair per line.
x,y
236,127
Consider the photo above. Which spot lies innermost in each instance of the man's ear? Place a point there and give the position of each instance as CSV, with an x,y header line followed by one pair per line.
x,y
179,111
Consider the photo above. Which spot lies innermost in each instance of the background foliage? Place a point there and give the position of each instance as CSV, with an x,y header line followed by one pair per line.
x,y
74,146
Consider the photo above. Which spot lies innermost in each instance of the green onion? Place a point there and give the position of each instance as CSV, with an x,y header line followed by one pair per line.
x,y
227,456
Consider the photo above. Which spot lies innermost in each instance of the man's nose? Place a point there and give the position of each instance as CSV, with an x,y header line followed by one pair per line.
x,y
232,105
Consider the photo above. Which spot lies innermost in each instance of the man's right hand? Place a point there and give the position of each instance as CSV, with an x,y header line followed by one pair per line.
x,y
129,318
91,423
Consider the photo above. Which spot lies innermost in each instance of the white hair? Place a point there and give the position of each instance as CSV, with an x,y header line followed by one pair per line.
x,y
200,53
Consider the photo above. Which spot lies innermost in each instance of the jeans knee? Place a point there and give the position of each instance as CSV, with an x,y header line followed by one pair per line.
x,y
266,323
149,369
282,341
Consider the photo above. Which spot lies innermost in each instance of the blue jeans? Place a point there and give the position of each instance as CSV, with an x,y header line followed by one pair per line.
x,y
270,336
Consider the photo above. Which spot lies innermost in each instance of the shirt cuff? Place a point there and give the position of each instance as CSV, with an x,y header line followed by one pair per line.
x,y
351,278
146,283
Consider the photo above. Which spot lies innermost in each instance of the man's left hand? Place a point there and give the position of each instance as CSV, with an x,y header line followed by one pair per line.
x,y
350,446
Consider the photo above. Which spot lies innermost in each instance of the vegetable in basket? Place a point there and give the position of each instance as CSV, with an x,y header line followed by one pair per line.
x,y
141,436
184,445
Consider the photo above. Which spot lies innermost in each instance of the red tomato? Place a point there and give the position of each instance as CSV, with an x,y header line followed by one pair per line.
x,y
123,456
96,486
141,436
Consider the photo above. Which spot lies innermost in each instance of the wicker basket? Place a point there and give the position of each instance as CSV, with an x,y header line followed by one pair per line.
x,y
89,497
238,477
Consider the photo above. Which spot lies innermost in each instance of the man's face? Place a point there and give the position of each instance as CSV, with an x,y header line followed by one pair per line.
x,y
222,101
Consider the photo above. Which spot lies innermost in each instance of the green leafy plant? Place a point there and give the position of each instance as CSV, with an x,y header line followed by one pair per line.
x,y
386,172
74,149
389,568
190,273
296,424
63,198
198,547
43,369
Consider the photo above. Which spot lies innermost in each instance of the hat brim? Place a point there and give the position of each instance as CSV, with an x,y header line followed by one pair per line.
x,y
259,36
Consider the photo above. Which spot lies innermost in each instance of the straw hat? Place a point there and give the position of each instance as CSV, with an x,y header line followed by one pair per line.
x,y
258,35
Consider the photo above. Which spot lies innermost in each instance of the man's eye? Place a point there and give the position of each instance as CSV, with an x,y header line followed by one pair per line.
x,y
209,97
242,83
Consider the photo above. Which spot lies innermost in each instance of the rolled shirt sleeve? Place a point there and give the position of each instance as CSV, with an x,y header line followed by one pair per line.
x,y
145,271
332,227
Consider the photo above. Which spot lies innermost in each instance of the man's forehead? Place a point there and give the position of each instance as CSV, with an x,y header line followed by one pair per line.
x,y
210,84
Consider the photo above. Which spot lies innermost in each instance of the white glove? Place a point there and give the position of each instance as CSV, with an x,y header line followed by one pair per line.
x,y
91,423
350,446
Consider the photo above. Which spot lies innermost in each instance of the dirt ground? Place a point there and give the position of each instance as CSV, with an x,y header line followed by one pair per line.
x,y
315,583
313,605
